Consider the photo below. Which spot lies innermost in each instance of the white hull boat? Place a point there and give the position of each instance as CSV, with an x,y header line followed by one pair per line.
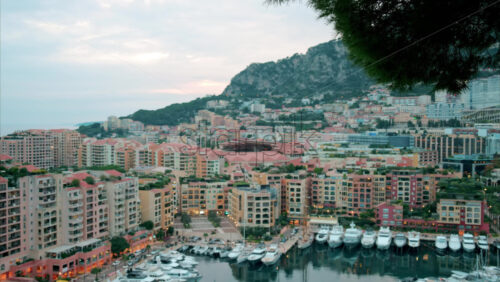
x,y
257,255
384,238
454,243
306,244
400,240
482,243
272,255
335,239
322,235
441,244
368,239
414,239
352,236
468,243
235,253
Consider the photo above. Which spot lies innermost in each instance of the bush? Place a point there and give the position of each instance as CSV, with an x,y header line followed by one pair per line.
x,y
149,225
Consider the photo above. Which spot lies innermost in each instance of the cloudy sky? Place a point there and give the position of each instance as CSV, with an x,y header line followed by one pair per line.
x,y
66,61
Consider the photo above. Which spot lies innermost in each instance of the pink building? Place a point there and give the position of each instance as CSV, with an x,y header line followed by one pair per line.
x,y
389,215
65,261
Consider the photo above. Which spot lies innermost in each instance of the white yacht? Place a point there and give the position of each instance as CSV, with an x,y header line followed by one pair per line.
x,y
400,240
352,236
384,238
482,243
468,243
243,257
336,236
183,274
257,254
235,253
322,234
454,243
303,244
368,239
272,255
441,243
414,239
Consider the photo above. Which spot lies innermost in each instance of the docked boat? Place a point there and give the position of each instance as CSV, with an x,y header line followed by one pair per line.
x,y
336,237
352,236
225,252
400,240
203,250
384,238
257,254
272,255
195,249
304,244
322,235
414,239
454,243
441,244
368,239
482,243
243,257
235,253
468,243
183,274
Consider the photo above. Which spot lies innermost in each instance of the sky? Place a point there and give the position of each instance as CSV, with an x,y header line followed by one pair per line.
x,y
65,62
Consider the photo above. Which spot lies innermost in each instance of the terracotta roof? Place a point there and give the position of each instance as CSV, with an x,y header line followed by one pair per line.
x,y
114,172
5,157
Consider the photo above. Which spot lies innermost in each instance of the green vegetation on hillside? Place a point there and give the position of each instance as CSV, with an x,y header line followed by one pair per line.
x,y
96,130
172,114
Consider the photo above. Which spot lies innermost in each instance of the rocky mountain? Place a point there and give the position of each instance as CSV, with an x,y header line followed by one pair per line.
x,y
324,69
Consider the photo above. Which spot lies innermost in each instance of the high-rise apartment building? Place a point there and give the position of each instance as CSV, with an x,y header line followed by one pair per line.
x,y
123,205
254,207
157,207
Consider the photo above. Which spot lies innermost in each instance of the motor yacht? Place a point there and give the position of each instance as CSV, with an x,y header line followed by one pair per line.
x,y
243,257
322,235
482,243
441,244
272,255
235,253
257,254
454,243
400,240
352,236
304,244
368,239
468,243
336,237
414,239
384,238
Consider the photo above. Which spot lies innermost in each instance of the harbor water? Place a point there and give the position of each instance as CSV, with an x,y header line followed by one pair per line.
x,y
321,263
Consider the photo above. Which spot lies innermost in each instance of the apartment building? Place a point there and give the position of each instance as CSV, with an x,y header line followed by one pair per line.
x,y
412,187
208,163
458,142
296,197
357,193
157,206
464,215
84,210
12,222
42,148
201,197
95,152
123,205
326,192
254,207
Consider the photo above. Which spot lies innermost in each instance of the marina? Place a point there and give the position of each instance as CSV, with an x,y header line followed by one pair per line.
x,y
350,252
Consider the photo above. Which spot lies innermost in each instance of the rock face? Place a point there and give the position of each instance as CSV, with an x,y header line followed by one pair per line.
x,y
324,69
